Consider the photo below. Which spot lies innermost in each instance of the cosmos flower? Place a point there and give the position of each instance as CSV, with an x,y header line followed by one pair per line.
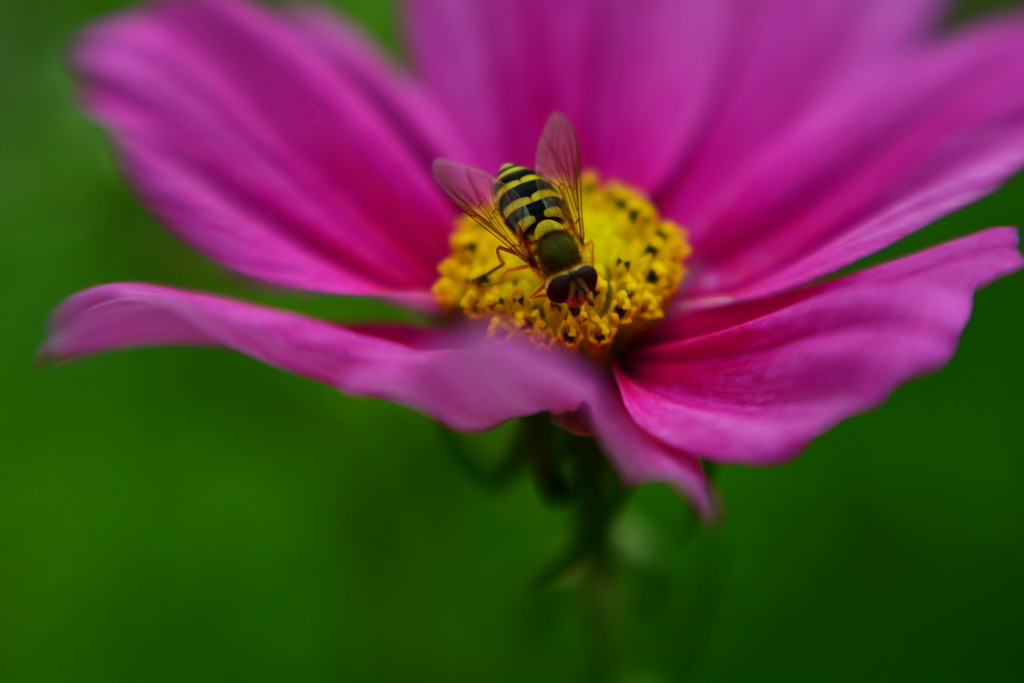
x,y
739,153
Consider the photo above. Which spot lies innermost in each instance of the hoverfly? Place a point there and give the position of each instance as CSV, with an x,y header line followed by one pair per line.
x,y
535,214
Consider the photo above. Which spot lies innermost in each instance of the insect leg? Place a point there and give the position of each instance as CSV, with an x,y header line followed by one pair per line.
x,y
588,252
480,279
511,270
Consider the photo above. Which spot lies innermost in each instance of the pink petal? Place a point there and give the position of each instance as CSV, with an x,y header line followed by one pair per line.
x,y
244,135
408,108
779,57
643,86
456,377
756,381
640,458
491,64
883,155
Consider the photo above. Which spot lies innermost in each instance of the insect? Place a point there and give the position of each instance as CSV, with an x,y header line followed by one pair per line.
x,y
535,214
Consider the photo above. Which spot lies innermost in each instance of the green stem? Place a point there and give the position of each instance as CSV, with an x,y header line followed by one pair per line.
x,y
540,441
597,495
601,496
571,470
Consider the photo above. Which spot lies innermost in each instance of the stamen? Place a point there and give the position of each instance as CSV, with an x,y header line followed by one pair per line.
x,y
639,261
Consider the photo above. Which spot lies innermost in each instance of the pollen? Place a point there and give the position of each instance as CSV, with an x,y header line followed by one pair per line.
x,y
639,258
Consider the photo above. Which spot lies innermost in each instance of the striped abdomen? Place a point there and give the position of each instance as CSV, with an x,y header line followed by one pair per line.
x,y
530,205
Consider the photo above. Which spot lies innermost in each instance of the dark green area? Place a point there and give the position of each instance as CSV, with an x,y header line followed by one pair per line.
x,y
191,515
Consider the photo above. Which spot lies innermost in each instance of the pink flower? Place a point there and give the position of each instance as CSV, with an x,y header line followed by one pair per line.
x,y
791,138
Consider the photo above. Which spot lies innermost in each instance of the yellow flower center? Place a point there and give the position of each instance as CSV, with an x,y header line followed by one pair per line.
x,y
639,261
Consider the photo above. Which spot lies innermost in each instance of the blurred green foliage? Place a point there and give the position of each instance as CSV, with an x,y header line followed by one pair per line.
x,y
191,515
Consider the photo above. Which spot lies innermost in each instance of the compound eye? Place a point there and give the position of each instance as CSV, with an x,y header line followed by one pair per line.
x,y
558,288
589,277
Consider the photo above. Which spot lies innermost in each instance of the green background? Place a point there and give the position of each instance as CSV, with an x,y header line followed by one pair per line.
x,y
191,515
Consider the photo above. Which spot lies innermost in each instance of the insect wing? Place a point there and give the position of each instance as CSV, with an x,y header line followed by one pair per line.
x,y
473,191
558,159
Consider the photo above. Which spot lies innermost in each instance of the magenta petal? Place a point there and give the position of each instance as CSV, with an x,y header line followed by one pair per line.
x,y
244,135
636,84
658,92
491,64
756,381
459,378
771,61
882,156
412,112
456,378
640,458
492,382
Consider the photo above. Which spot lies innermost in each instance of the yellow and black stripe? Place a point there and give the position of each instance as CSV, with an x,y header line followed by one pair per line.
x,y
530,205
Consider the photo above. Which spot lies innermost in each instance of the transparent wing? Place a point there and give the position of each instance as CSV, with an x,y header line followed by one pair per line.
x,y
473,191
558,159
